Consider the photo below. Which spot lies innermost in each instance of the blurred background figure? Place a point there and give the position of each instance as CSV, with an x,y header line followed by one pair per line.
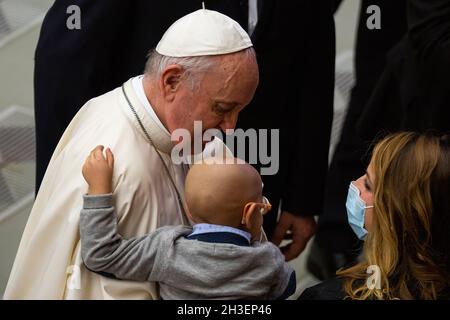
x,y
402,83
295,46
335,244
413,92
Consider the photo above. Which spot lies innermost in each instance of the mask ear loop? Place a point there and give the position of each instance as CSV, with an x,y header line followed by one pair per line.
x,y
358,192
267,208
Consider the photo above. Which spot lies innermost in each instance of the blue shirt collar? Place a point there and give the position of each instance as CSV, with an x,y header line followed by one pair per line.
x,y
202,228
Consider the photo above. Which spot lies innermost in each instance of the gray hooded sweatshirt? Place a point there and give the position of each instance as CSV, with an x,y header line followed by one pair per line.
x,y
184,268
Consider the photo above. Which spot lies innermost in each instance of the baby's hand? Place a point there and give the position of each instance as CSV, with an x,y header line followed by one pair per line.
x,y
98,171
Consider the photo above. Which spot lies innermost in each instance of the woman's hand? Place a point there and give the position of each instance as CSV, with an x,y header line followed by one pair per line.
x,y
98,171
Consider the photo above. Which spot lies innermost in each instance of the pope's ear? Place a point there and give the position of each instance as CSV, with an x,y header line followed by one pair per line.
x,y
170,80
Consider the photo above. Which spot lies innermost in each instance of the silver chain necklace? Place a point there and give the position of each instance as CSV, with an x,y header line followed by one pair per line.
x,y
184,218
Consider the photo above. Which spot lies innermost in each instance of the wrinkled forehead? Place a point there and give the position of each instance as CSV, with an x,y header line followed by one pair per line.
x,y
233,82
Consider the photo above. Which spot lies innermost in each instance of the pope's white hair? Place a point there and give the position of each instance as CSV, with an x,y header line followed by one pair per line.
x,y
192,66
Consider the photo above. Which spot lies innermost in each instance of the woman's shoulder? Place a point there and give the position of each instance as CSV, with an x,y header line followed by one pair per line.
x,y
332,289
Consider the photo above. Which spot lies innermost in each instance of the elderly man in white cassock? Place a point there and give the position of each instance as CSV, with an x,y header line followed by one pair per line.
x,y
203,69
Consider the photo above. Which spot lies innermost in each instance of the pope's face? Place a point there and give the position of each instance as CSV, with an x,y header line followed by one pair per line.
x,y
218,96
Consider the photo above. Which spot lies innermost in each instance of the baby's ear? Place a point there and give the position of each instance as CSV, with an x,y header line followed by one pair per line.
x,y
252,218
188,212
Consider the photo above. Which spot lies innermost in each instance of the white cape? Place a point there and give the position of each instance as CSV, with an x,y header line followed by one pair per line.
x,y
48,264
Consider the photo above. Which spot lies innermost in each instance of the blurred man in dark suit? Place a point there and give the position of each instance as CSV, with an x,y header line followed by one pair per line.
x,y
413,92
402,73
295,46
335,244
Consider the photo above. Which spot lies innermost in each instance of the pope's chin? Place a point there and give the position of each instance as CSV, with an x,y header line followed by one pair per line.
x,y
190,146
201,149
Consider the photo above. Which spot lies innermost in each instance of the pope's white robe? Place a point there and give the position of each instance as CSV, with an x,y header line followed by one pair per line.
x,y
48,264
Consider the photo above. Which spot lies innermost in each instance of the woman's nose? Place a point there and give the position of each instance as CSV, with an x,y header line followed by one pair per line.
x,y
359,183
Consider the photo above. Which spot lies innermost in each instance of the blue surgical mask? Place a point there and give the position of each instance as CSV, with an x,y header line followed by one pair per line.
x,y
356,211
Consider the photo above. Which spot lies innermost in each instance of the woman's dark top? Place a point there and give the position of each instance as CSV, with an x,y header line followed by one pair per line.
x,y
332,289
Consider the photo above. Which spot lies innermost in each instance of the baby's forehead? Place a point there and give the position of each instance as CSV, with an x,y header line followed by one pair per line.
x,y
241,168
220,160
218,165
210,170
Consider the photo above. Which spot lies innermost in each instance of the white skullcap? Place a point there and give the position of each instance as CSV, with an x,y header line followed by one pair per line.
x,y
203,33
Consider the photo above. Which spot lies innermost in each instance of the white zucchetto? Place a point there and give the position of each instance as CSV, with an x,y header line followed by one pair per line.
x,y
203,33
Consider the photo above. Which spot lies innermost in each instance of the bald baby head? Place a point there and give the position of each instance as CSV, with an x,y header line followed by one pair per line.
x,y
217,192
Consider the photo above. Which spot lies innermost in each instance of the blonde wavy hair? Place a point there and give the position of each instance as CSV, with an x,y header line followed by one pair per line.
x,y
409,239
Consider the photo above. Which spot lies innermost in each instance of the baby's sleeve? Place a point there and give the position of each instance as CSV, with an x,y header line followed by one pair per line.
x,y
285,280
104,251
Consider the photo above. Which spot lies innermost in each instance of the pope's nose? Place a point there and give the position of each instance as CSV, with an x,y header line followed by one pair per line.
x,y
229,122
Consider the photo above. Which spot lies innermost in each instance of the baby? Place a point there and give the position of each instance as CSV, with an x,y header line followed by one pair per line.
x,y
220,257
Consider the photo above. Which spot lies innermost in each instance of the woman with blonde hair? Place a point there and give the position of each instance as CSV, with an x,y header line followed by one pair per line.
x,y
401,208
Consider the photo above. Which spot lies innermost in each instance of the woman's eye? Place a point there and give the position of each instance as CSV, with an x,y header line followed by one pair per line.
x,y
366,185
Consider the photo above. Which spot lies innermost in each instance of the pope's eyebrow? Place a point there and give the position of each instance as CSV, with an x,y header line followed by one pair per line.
x,y
230,104
224,106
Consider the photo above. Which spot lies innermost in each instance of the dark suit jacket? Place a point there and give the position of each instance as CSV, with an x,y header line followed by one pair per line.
x,y
295,46
413,92
332,289
73,66
351,155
